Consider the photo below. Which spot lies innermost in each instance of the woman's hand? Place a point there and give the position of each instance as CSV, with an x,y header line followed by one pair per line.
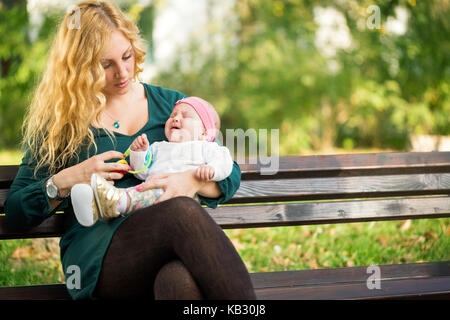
x,y
179,184
82,172
173,184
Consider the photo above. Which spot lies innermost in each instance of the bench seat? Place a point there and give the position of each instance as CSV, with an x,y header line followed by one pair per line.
x,y
415,280
313,190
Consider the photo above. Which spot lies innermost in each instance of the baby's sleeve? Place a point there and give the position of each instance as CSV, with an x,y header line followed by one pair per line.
x,y
219,158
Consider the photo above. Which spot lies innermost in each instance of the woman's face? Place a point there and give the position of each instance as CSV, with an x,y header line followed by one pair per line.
x,y
118,62
184,124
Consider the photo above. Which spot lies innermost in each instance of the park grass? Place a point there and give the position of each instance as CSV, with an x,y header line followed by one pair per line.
x,y
343,245
10,157
27,262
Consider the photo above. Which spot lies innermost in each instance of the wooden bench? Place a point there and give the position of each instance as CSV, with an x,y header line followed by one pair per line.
x,y
315,190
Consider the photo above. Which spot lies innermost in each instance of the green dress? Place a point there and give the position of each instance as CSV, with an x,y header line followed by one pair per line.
x,y
27,204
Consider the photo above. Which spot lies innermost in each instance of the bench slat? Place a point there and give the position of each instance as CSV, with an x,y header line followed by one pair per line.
x,y
3,194
7,174
349,274
341,165
327,165
430,279
50,227
288,214
431,288
342,187
35,292
436,288
252,191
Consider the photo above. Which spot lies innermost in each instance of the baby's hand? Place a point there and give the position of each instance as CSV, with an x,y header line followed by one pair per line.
x,y
140,143
204,173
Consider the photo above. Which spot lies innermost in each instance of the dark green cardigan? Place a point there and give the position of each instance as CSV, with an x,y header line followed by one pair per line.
x,y
27,204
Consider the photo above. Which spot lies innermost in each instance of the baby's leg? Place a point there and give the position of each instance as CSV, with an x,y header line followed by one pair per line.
x,y
113,201
84,205
124,203
141,199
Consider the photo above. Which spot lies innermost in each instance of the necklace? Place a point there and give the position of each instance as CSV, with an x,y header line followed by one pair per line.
x,y
116,122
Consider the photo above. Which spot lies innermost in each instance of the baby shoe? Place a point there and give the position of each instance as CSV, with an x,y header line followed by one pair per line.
x,y
84,204
106,196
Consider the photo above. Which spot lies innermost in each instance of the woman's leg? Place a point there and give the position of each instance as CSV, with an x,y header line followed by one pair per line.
x,y
176,229
175,282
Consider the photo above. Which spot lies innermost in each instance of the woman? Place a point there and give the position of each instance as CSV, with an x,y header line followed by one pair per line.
x,y
88,107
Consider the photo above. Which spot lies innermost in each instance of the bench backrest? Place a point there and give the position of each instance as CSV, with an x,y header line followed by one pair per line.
x,y
315,190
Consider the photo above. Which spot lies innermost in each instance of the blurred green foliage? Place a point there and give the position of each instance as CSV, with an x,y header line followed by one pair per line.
x,y
272,75
270,72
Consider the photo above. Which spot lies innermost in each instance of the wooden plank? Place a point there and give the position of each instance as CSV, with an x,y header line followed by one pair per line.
x,y
400,280
35,292
342,187
354,165
288,214
349,275
7,174
3,194
50,227
390,289
253,191
330,165
251,216
408,280
356,160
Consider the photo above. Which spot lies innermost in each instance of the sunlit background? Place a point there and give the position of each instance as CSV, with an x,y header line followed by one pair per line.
x,y
341,76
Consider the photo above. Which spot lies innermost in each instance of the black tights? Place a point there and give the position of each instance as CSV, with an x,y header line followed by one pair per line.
x,y
173,250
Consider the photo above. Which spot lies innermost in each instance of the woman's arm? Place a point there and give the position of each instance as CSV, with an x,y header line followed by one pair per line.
x,y
219,159
210,189
186,184
27,203
228,188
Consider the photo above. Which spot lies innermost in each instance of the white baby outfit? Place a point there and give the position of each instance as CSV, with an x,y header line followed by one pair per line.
x,y
171,157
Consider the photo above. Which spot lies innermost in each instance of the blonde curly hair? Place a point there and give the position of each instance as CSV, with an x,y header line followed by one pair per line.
x,y
69,96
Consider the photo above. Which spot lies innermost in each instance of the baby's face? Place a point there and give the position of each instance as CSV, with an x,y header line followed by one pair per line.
x,y
184,124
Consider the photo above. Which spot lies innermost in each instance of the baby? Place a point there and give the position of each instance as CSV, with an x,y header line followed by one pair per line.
x,y
191,131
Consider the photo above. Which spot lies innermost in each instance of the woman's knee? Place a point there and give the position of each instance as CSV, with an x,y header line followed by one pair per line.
x,y
174,281
185,208
187,216
184,202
